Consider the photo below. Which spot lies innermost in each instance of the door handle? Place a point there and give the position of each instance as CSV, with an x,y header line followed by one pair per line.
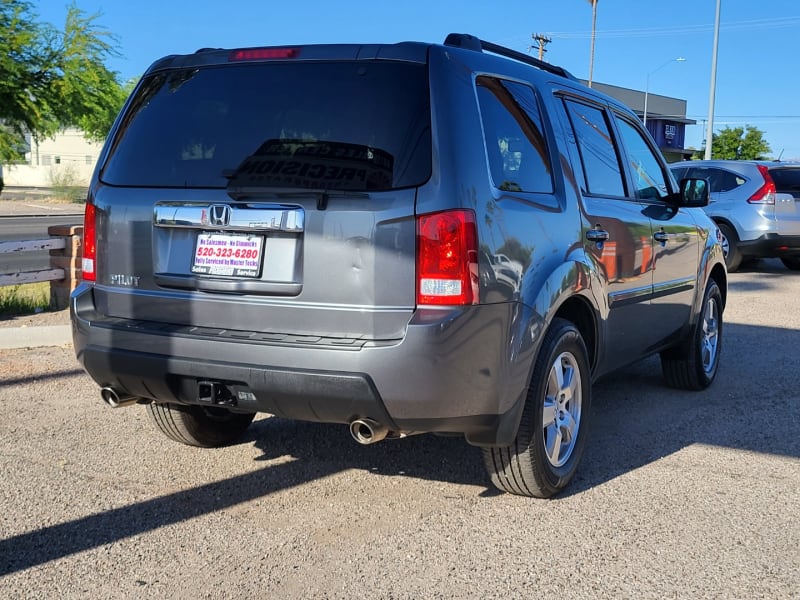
x,y
597,234
661,236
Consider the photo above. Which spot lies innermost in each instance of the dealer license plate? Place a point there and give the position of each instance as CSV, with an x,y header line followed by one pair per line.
x,y
228,255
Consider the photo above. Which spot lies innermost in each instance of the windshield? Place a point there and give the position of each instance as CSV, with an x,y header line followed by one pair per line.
x,y
340,126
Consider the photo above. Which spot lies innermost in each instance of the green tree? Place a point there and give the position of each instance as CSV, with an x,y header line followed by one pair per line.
x,y
51,79
739,143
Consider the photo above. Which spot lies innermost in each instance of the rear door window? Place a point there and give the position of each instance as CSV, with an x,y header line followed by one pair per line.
x,y
601,168
719,180
515,142
340,126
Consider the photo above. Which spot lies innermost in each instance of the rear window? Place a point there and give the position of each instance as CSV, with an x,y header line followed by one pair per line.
x,y
787,181
340,126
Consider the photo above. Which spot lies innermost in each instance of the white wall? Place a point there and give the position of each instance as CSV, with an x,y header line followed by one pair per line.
x,y
68,158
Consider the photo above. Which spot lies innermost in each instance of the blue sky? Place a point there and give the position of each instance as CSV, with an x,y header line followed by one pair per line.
x,y
756,69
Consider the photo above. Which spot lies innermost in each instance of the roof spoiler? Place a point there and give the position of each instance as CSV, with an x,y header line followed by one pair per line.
x,y
470,42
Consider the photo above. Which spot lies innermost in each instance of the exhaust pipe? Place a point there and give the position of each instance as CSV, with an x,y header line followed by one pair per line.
x,y
116,400
367,431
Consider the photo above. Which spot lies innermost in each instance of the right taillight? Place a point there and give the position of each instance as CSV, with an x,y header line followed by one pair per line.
x,y
89,262
447,258
766,193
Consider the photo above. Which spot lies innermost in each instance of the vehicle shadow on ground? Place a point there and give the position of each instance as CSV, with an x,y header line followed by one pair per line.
x,y
637,420
320,451
430,457
753,405
28,379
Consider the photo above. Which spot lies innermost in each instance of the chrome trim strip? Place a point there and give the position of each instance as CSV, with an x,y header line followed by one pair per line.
x,y
646,293
631,296
673,287
252,217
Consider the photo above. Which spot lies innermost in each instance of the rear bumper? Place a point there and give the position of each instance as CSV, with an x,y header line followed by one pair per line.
x,y
771,245
455,370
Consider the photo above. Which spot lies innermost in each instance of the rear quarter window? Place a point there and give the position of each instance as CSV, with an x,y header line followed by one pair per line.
x,y
514,135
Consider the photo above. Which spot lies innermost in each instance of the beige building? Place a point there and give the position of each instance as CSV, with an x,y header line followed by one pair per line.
x,y
66,159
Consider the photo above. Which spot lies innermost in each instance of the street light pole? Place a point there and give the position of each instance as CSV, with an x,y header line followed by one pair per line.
x,y
647,83
594,27
712,91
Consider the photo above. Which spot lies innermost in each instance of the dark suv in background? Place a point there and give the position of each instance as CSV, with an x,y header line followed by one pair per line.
x,y
403,238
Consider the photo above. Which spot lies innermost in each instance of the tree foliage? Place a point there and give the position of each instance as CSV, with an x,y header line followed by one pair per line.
x,y
739,143
51,78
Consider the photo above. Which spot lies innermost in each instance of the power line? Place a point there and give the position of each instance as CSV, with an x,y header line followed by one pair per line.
x,y
751,116
749,25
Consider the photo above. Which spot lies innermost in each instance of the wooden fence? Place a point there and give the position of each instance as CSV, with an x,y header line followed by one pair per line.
x,y
64,274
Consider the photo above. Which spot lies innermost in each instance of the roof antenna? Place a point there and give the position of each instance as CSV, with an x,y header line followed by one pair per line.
x,y
779,155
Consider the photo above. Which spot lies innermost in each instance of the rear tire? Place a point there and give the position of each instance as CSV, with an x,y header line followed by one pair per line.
x,y
204,427
730,247
694,366
791,262
552,434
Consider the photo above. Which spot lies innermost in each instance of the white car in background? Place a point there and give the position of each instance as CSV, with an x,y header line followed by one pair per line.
x,y
755,204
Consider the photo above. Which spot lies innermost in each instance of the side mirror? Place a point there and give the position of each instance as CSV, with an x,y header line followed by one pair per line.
x,y
694,192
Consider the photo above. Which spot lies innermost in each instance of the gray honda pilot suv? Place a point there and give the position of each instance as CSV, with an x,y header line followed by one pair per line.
x,y
405,238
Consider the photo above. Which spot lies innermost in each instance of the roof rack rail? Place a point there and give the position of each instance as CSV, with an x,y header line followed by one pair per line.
x,y
470,42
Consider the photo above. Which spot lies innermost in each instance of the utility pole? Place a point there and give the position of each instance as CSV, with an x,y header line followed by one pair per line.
x,y
542,40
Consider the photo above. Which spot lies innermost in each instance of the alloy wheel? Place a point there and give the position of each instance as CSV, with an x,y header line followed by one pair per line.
x,y
561,414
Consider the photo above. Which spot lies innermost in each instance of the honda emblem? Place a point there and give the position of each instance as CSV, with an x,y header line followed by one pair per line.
x,y
219,214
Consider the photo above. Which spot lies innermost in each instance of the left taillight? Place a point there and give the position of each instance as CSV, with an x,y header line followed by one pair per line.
x,y
89,261
447,258
766,193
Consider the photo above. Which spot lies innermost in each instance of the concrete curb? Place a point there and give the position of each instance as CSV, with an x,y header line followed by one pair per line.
x,y
35,337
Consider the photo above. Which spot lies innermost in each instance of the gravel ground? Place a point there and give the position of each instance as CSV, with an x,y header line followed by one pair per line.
x,y
56,317
680,495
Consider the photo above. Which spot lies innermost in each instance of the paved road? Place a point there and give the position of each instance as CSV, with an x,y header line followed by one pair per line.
x,y
30,227
680,495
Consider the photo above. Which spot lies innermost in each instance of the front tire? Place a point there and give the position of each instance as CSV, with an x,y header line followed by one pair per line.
x,y
694,366
552,434
204,427
730,247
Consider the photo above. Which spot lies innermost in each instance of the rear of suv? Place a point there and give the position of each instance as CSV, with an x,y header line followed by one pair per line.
x,y
756,205
406,238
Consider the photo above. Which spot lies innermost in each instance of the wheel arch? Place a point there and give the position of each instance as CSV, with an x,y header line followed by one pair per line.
x,y
720,275
580,313
712,266
719,220
565,294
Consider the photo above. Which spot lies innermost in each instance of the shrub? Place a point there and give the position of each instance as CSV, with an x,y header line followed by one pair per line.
x,y
66,183
24,299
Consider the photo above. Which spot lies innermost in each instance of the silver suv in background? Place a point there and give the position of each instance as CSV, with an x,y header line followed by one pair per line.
x,y
756,205
406,238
